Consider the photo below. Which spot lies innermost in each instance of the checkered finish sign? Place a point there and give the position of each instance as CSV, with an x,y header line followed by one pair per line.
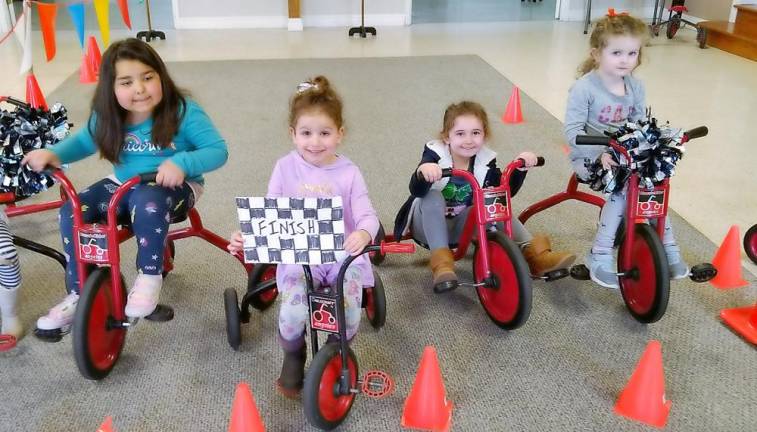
x,y
288,230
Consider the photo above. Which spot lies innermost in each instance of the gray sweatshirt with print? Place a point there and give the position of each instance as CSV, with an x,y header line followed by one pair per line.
x,y
592,109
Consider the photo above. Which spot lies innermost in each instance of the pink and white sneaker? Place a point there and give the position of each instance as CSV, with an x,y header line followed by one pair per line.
x,y
58,320
143,297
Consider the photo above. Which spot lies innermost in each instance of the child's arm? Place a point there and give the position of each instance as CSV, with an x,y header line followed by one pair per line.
x,y
361,208
639,100
429,171
576,115
276,182
209,151
78,145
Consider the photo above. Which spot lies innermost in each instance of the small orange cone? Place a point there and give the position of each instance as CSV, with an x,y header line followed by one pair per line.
x,y
643,399
728,262
743,320
427,407
513,113
86,75
93,55
244,414
107,425
34,95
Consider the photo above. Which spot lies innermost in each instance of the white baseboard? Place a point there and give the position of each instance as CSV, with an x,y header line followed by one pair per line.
x,y
295,24
231,22
285,22
354,20
580,14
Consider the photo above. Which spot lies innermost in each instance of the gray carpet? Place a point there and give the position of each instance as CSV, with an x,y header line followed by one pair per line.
x,y
561,371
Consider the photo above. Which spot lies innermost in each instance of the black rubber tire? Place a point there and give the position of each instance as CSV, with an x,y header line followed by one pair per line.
x,y
311,390
377,318
521,276
377,257
264,300
99,279
233,324
647,301
673,26
750,243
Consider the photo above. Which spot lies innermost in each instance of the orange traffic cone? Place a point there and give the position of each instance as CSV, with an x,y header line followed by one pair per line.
x,y
34,95
86,74
93,55
107,425
643,399
513,113
244,414
743,320
728,262
427,407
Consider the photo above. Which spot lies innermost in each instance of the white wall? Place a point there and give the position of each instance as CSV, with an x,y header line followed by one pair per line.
x,y
575,10
273,13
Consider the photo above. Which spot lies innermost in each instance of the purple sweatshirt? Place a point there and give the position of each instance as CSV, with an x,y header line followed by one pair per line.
x,y
294,177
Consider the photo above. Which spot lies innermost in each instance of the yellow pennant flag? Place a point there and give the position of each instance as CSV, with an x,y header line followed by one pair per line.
x,y
102,9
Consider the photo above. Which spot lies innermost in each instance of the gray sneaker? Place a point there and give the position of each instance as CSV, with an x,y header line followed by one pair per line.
x,y
601,269
676,266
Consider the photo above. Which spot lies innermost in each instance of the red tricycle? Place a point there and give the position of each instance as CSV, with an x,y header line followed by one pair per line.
x,y
262,290
100,324
642,264
501,275
331,381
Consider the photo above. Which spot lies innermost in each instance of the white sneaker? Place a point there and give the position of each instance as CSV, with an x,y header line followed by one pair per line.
x,y
601,269
143,297
676,266
61,316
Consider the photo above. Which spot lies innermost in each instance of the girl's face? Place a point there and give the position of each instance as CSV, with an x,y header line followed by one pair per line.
x,y
466,137
620,57
137,88
316,138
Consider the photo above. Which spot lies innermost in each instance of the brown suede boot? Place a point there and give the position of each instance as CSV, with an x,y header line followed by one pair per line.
x,y
541,259
292,375
442,265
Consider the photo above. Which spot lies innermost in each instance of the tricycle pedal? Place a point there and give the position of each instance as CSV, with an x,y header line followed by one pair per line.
x,y
580,272
52,335
555,275
162,313
703,272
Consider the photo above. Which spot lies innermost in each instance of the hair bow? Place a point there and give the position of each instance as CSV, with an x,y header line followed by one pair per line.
x,y
305,86
611,13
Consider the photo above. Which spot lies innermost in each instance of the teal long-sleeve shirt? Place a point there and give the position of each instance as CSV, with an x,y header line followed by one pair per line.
x,y
196,148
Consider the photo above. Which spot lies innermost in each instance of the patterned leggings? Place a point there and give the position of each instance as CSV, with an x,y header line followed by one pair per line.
x,y
294,314
10,270
149,209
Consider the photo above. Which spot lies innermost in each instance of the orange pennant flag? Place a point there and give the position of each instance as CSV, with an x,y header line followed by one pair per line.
x,y
47,12
124,7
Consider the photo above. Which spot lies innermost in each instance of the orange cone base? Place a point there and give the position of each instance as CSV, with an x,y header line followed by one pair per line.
x,y
743,321
409,423
658,421
729,284
107,425
7,342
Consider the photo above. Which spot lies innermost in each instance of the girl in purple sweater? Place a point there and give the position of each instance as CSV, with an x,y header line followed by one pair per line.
x,y
315,169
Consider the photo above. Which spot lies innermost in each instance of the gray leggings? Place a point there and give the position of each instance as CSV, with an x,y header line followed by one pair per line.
x,y
432,227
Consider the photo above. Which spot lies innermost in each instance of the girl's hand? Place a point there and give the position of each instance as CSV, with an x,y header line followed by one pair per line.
x,y
38,160
235,242
530,159
357,241
169,175
430,171
607,161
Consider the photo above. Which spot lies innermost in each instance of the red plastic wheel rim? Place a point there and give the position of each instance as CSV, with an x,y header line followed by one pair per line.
x,y
370,305
501,302
103,343
334,408
269,295
640,293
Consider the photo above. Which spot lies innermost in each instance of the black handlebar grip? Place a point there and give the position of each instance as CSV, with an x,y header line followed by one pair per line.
x,y
447,172
592,140
148,177
540,161
697,132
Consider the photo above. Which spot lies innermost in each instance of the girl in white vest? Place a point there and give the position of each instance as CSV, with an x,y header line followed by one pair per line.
x,y
438,207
